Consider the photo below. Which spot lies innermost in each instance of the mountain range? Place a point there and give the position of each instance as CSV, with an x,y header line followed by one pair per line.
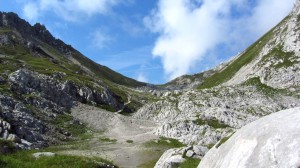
x,y
52,95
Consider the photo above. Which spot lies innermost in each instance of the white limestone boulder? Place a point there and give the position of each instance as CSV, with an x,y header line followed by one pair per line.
x,y
272,141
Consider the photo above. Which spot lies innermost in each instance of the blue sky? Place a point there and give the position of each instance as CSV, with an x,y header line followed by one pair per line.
x,y
155,40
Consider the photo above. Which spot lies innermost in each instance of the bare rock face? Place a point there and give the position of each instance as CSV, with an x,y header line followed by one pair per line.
x,y
56,95
272,141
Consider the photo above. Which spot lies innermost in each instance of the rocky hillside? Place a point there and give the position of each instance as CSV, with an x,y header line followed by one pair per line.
x,y
42,78
17,33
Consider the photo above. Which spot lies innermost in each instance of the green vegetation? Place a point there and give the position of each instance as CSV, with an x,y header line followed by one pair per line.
x,y
229,71
66,123
149,164
223,140
190,163
209,146
5,30
108,140
4,89
278,54
25,159
211,122
165,142
6,146
265,89
105,72
129,141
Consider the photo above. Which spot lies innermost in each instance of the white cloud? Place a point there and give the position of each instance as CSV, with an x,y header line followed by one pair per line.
x,y
70,10
31,11
100,39
191,30
268,13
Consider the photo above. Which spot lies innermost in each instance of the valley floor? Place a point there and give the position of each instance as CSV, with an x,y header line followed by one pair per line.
x,y
118,138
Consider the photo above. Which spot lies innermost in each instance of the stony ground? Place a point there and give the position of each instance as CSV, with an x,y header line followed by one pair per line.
x,y
118,138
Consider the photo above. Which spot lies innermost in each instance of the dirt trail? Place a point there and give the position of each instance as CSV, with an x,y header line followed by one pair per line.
x,y
127,136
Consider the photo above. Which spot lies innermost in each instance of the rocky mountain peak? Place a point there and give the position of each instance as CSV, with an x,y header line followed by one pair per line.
x,y
31,33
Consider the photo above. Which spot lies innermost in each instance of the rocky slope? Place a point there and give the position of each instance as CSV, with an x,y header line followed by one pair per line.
x,y
272,144
42,78
262,80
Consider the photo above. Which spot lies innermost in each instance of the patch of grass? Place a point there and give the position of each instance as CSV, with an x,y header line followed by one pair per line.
x,y
105,72
25,159
211,122
4,89
66,123
129,141
165,142
209,146
149,164
223,140
5,30
108,140
278,54
190,163
6,146
265,89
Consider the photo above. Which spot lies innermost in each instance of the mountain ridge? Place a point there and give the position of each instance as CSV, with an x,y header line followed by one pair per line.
x,y
38,32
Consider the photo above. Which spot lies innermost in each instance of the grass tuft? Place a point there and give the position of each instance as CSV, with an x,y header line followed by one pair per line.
x,y
211,122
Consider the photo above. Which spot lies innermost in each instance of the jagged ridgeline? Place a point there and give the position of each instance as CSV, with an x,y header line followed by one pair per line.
x,y
42,78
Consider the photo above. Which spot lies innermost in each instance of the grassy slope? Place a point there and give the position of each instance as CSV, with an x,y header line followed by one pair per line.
x,y
25,159
105,72
249,55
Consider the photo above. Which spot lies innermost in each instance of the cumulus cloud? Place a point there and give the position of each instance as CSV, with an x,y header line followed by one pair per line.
x,y
31,11
70,10
190,30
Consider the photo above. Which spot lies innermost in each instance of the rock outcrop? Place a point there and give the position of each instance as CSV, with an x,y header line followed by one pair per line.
x,y
272,141
58,95
174,157
37,99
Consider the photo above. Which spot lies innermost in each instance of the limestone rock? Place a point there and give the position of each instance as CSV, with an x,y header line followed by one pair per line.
x,y
272,141
40,154
170,159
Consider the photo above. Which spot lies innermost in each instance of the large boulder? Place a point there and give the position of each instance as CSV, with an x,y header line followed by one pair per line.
x,y
272,141
172,158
